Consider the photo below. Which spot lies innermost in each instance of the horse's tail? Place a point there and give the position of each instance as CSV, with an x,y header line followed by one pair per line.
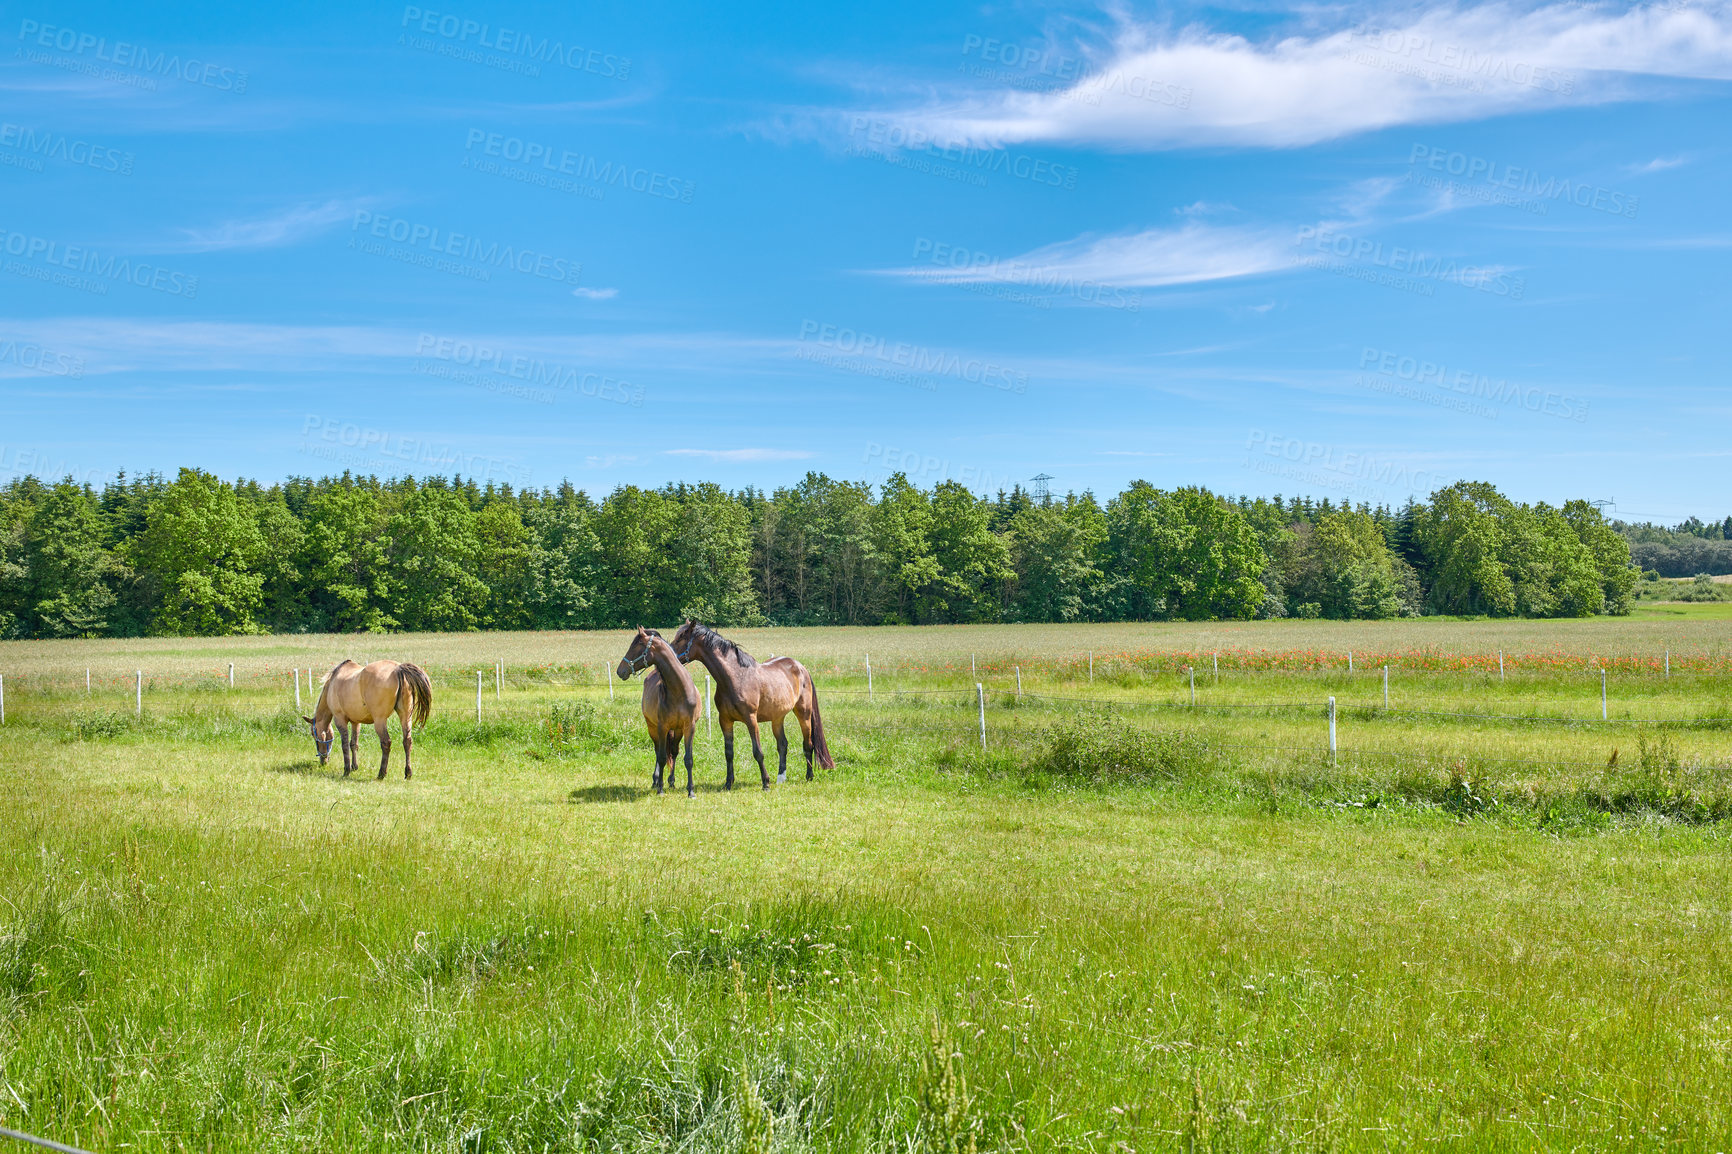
x,y
818,742
420,689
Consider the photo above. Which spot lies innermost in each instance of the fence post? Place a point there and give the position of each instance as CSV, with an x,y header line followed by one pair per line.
x,y
139,706
1193,675
1091,667
1500,665
1350,661
1386,687
971,670
607,677
1331,729
297,676
868,675
231,675
87,683
498,678
1602,693
1668,665
1019,682
478,697
980,696
1217,658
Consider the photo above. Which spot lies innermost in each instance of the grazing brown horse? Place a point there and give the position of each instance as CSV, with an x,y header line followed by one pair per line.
x,y
750,693
354,696
671,705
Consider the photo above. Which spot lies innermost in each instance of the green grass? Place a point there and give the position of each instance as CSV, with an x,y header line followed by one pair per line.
x,y
1151,926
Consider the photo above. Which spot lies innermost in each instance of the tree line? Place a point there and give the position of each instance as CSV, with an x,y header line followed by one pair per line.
x,y
1684,550
198,555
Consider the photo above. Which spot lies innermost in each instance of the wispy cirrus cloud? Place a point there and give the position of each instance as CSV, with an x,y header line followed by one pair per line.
x,y
285,227
1191,253
1158,88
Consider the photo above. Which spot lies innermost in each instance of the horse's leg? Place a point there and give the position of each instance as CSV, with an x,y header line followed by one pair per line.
x,y
343,736
728,747
408,743
758,749
383,728
781,749
661,748
804,715
690,731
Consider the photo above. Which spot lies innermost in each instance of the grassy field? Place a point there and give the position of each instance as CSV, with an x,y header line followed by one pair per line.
x,y
1129,923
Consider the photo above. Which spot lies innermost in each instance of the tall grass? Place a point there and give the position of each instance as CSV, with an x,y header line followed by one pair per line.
x,y
1128,927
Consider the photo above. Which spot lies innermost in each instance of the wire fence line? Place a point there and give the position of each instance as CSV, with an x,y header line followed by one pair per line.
x,y
493,692
45,1143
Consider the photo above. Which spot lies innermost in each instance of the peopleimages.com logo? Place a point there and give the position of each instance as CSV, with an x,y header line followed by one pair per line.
x,y
514,44
432,241
36,34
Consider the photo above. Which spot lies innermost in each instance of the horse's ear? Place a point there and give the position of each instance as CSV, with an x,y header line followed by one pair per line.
x,y
308,720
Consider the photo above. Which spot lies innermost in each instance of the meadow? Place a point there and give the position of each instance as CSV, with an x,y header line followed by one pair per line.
x,y
1490,919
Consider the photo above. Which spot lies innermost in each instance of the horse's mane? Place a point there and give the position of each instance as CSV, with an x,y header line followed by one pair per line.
x,y
722,647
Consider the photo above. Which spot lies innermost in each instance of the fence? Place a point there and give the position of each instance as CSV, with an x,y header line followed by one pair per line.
x,y
992,705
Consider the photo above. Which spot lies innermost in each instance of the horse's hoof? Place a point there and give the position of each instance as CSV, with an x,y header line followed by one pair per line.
x,y
690,794
781,779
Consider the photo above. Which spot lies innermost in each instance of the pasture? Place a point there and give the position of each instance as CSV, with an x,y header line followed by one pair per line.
x,y
1135,920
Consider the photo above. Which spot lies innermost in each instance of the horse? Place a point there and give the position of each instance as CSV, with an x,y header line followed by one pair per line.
x,y
749,692
353,695
671,704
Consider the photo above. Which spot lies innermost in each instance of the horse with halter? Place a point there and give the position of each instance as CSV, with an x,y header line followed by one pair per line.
x,y
749,692
353,696
671,703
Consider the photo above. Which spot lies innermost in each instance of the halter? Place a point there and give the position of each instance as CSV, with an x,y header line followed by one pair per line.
x,y
324,747
642,659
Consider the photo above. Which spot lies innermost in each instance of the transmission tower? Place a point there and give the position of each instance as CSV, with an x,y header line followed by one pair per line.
x,y
1039,489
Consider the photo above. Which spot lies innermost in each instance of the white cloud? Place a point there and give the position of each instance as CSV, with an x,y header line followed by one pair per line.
x,y
1157,88
743,454
1189,254
289,226
595,294
1658,164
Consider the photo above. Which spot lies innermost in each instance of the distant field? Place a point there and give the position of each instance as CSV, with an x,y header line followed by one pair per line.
x,y
1490,920
1687,630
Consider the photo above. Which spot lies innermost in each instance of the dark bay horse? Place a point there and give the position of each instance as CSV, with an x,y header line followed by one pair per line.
x,y
750,693
671,705
354,696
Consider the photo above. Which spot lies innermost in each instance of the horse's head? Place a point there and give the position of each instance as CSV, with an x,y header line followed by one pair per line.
x,y
637,654
322,744
685,638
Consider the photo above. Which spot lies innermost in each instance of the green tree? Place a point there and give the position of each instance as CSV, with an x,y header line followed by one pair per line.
x,y
1185,554
973,561
902,539
66,566
1460,535
1344,567
1610,552
434,550
507,562
203,546
562,591
348,575
1055,551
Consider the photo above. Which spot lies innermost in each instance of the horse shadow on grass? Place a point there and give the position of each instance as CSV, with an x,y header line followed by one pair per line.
x,y
593,794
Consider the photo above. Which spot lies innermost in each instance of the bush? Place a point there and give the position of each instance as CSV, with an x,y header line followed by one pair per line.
x,y
580,728
1100,748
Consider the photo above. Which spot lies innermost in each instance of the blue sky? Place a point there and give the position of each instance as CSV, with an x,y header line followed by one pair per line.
x,y
1352,251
